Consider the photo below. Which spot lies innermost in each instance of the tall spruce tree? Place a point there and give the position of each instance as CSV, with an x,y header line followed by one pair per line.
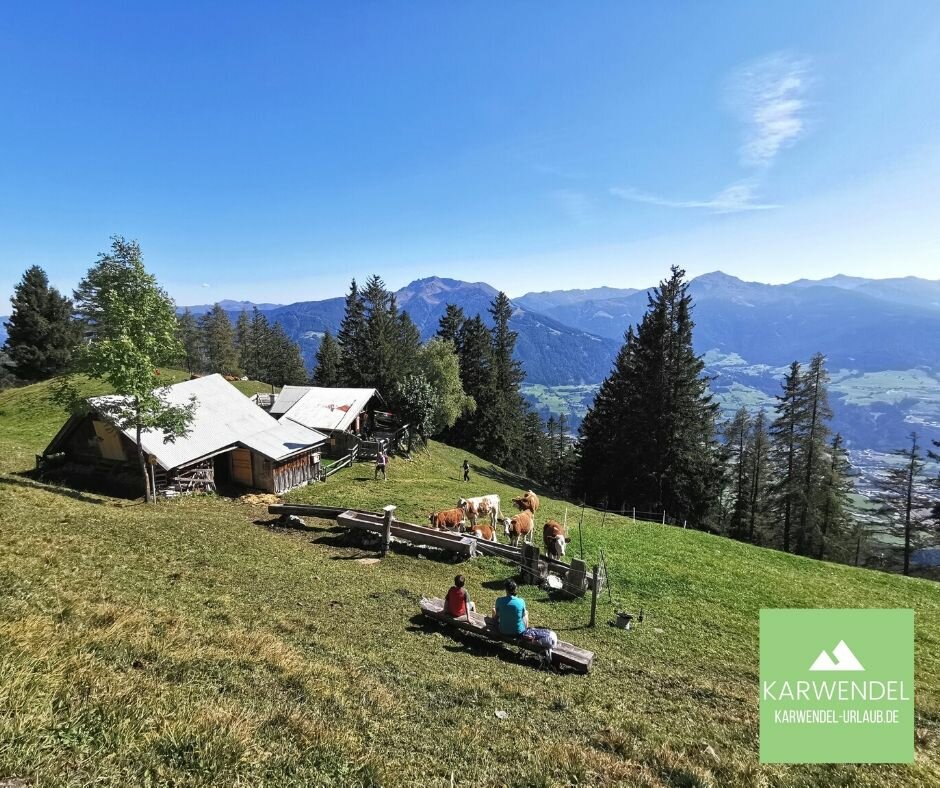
x,y
218,338
903,498
474,353
759,477
836,486
653,422
450,323
255,350
41,333
352,339
190,338
815,436
286,366
327,372
786,450
737,434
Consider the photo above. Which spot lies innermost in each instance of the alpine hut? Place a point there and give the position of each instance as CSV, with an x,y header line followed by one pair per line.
x,y
231,442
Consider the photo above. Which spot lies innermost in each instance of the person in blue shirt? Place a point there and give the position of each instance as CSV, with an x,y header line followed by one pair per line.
x,y
510,614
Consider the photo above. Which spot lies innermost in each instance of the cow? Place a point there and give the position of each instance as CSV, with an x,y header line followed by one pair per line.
x,y
519,527
481,506
554,536
448,519
484,531
527,502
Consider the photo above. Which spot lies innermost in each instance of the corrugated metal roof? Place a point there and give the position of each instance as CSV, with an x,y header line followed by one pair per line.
x,y
223,418
328,409
286,399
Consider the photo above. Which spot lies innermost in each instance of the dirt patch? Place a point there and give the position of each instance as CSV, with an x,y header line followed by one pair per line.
x,y
259,499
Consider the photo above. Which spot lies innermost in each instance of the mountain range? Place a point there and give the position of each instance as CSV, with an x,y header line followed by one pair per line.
x,y
881,338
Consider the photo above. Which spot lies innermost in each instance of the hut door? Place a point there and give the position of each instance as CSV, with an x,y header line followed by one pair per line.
x,y
241,467
109,441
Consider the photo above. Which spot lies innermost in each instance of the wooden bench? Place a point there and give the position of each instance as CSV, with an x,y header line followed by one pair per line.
x,y
573,657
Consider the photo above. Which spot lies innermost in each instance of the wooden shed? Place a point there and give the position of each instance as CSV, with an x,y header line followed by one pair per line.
x,y
231,443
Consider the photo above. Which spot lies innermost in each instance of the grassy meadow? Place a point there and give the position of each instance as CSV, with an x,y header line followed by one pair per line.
x,y
191,643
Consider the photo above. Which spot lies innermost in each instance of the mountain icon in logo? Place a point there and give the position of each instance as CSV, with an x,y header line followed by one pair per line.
x,y
844,659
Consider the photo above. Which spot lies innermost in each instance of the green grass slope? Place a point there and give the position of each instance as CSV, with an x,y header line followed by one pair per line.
x,y
187,644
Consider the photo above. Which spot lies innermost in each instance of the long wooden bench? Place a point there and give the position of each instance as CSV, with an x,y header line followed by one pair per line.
x,y
566,654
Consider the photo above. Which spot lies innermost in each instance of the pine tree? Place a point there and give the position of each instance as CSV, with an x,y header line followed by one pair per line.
x,y
243,339
902,496
219,341
352,339
286,366
835,496
475,356
450,324
41,334
503,421
759,474
536,445
190,338
737,433
327,371
653,422
255,349
814,438
786,450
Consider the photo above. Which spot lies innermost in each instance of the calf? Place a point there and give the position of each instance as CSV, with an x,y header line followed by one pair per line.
x,y
484,531
519,527
554,536
447,520
481,506
527,502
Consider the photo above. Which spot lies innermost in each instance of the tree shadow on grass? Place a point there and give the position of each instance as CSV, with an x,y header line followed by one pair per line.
x,y
28,480
511,479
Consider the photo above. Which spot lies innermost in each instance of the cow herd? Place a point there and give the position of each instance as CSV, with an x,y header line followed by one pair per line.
x,y
480,517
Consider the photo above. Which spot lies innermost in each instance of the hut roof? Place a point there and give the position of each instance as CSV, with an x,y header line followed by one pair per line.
x,y
223,418
327,409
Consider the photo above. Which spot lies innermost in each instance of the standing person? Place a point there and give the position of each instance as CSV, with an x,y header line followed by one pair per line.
x,y
457,602
381,464
466,470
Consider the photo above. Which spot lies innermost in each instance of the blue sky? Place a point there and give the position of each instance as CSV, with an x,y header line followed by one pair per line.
x,y
272,151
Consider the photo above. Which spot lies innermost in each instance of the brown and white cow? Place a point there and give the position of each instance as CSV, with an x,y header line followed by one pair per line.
x,y
481,506
448,519
527,502
554,536
484,531
519,528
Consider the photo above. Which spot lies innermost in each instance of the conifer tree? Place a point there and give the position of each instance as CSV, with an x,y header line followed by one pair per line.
x,y
902,496
327,372
450,324
786,450
190,338
218,338
835,496
286,366
255,351
737,433
352,339
656,416
243,339
41,334
815,436
759,476
475,356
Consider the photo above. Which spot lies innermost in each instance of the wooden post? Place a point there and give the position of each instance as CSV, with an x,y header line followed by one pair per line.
x,y
634,514
664,516
594,595
387,529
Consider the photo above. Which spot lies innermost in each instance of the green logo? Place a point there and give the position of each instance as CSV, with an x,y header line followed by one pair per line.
x,y
837,686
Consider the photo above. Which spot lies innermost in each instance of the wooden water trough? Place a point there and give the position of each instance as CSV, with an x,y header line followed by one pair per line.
x,y
563,654
459,544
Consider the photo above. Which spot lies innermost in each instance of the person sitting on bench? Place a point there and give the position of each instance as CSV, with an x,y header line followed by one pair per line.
x,y
457,603
510,616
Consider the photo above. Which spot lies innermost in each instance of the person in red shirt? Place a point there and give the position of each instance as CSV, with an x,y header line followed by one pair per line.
x,y
457,603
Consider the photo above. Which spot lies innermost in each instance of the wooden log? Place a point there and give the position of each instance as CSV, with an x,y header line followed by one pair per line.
x,y
563,654
416,534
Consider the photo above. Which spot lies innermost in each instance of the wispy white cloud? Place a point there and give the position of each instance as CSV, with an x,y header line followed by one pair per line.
x,y
769,94
205,284
573,204
740,196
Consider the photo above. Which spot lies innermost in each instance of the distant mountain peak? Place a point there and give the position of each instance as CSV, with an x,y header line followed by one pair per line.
x,y
435,289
